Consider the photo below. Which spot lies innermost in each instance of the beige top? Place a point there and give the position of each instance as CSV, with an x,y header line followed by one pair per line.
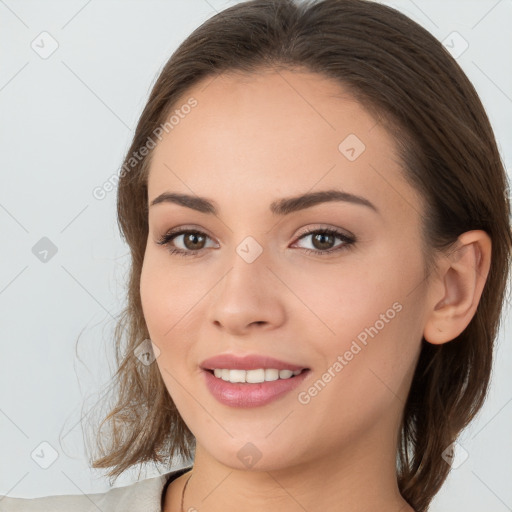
x,y
142,496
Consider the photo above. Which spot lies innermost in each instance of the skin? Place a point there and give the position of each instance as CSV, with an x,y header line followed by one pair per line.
x,y
253,139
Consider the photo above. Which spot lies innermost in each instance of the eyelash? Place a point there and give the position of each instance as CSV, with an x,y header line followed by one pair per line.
x,y
346,245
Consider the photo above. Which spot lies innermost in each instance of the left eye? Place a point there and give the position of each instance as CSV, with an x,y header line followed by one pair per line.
x,y
322,240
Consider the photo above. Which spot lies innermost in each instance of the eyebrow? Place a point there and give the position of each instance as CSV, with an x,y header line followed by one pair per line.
x,y
283,206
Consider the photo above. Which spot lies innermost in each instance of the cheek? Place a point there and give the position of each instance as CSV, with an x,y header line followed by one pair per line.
x,y
373,310
168,313
169,295
154,298
380,328
341,300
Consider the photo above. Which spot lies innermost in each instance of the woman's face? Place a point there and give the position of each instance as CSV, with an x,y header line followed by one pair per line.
x,y
349,314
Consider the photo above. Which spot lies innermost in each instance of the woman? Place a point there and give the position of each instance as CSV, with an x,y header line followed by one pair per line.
x,y
319,230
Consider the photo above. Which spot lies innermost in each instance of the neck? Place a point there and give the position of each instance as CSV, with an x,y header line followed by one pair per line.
x,y
351,480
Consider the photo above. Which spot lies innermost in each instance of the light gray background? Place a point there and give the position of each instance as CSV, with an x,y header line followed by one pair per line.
x,y
66,122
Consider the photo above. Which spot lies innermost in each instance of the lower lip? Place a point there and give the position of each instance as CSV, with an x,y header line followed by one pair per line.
x,y
250,395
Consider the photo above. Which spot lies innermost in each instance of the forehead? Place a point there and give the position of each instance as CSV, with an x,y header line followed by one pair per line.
x,y
300,109
279,133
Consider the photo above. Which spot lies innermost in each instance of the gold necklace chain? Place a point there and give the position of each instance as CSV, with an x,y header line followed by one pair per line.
x,y
183,492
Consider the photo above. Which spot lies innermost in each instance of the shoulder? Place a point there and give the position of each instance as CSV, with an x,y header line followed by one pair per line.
x,y
142,496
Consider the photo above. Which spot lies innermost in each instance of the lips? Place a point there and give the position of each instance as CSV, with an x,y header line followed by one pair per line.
x,y
248,362
247,394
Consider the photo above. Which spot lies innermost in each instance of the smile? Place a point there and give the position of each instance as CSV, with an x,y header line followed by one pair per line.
x,y
255,390
254,376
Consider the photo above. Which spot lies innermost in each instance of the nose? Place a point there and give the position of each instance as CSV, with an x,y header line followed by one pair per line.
x,y
248,297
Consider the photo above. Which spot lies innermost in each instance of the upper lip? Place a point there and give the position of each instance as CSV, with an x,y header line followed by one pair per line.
x,y
247,362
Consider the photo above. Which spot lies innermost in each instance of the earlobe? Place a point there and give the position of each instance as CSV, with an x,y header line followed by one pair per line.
x,y
456,292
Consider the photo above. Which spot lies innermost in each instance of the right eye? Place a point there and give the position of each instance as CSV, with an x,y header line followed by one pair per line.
x,y
192,243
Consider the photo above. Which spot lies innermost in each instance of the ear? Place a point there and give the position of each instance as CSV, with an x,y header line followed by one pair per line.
x,y
457,288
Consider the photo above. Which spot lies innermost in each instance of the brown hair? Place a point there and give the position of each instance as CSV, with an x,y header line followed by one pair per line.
x,y
403,75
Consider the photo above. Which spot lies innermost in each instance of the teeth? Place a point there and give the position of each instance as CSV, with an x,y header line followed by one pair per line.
x,y
235,375
253,376
271,374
